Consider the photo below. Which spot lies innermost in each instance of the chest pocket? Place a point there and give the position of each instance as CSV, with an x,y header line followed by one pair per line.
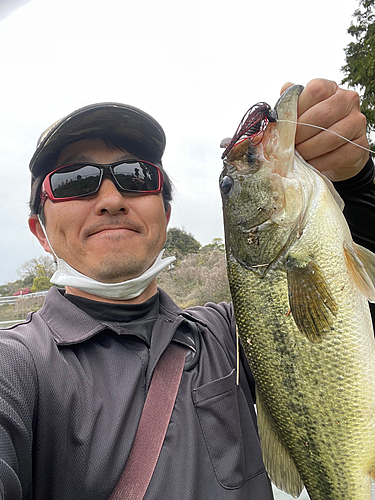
x,y
229,431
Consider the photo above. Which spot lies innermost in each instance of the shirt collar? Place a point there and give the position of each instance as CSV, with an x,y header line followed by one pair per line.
x,y
71,325
67,322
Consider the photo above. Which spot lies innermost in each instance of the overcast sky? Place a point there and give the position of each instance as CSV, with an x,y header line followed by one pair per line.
x,y
195,66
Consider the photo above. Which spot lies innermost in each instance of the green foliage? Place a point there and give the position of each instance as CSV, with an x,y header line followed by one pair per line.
x,y
360,59
4,291
40,284
10,288
34,274
38,266
216,244
28,281
180,243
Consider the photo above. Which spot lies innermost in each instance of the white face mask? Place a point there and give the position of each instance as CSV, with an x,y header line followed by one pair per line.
x,y
67,276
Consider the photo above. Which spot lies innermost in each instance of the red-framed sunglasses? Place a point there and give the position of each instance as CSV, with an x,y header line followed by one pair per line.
x,y
70,182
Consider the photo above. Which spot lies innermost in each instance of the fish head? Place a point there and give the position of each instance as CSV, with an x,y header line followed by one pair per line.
x,y
260,195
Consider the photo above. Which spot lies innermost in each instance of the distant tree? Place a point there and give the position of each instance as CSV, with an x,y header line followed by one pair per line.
x,y
28,281
197,278
38,266
180,243
30,270
360,59
10,288
40,284
216,244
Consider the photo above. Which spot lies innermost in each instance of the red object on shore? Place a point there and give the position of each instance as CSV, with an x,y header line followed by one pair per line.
x,y
22,291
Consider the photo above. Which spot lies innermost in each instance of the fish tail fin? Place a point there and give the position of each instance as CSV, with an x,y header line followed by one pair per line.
x,y
361,265
279,464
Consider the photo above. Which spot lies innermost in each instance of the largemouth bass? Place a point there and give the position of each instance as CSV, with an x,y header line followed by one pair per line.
x,y
300,289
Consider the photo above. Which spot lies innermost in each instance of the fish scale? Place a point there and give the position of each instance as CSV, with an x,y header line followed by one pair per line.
x,y
302,317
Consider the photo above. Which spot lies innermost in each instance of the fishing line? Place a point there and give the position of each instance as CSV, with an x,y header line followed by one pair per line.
x,y
238,357
331,131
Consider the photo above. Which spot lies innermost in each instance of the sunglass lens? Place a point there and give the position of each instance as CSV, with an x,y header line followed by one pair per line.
x,y
137,176
79,182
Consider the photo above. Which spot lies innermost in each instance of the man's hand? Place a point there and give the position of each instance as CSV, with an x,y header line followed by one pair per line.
x,y
324,104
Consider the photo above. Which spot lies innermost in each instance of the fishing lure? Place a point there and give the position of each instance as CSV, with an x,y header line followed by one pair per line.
x,y
255,122
252,125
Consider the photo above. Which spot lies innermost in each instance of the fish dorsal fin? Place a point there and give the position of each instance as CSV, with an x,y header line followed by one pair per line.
x,y
311,302
361,267
330,186
276,457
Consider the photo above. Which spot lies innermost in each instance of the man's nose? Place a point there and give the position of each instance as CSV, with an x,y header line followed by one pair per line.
x,y
110,199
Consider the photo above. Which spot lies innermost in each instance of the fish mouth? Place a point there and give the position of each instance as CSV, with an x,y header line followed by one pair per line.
x,y
275,126
279,137
288,100
286,123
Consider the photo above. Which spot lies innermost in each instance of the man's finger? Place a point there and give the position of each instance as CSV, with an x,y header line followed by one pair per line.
x,y
343,163
327,141
285,86
343,104
316,91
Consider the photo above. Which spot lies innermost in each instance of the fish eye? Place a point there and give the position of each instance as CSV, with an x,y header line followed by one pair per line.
x,y
226,184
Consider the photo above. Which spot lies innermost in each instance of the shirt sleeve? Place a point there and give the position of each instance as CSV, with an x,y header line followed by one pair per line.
x,y
18,396
358,194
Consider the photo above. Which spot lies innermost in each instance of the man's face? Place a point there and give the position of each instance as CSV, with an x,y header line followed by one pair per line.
x,y
111,236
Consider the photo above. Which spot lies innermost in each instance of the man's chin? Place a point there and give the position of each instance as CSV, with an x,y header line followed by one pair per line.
x,y
115,272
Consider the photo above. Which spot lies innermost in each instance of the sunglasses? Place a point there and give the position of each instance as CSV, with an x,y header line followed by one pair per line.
x,y
70,182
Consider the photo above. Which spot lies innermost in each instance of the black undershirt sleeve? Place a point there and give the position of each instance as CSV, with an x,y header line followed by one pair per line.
x,y
358,194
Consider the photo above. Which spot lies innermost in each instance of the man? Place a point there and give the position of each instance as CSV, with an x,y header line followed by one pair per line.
x,y
74,377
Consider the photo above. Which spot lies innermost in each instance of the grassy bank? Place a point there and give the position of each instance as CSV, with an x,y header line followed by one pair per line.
x,y
20,309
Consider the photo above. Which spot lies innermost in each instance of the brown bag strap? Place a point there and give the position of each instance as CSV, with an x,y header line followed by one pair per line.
x,y
153,425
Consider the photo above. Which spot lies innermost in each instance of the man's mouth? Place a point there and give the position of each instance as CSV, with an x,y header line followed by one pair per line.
x,y
112,228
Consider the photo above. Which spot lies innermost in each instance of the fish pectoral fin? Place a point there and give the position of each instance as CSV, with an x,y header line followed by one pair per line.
x,y
276,457
310,300
361,266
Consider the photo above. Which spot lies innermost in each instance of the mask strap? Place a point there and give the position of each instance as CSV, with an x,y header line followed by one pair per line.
x,y
45,234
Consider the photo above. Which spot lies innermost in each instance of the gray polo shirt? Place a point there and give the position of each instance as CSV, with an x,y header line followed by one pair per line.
x,y
72,390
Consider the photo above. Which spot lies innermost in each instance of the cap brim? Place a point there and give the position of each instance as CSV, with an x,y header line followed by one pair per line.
x,y
143,133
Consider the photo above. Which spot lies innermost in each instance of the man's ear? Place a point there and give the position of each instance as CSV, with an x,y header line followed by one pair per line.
x,y
168,213
37,230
